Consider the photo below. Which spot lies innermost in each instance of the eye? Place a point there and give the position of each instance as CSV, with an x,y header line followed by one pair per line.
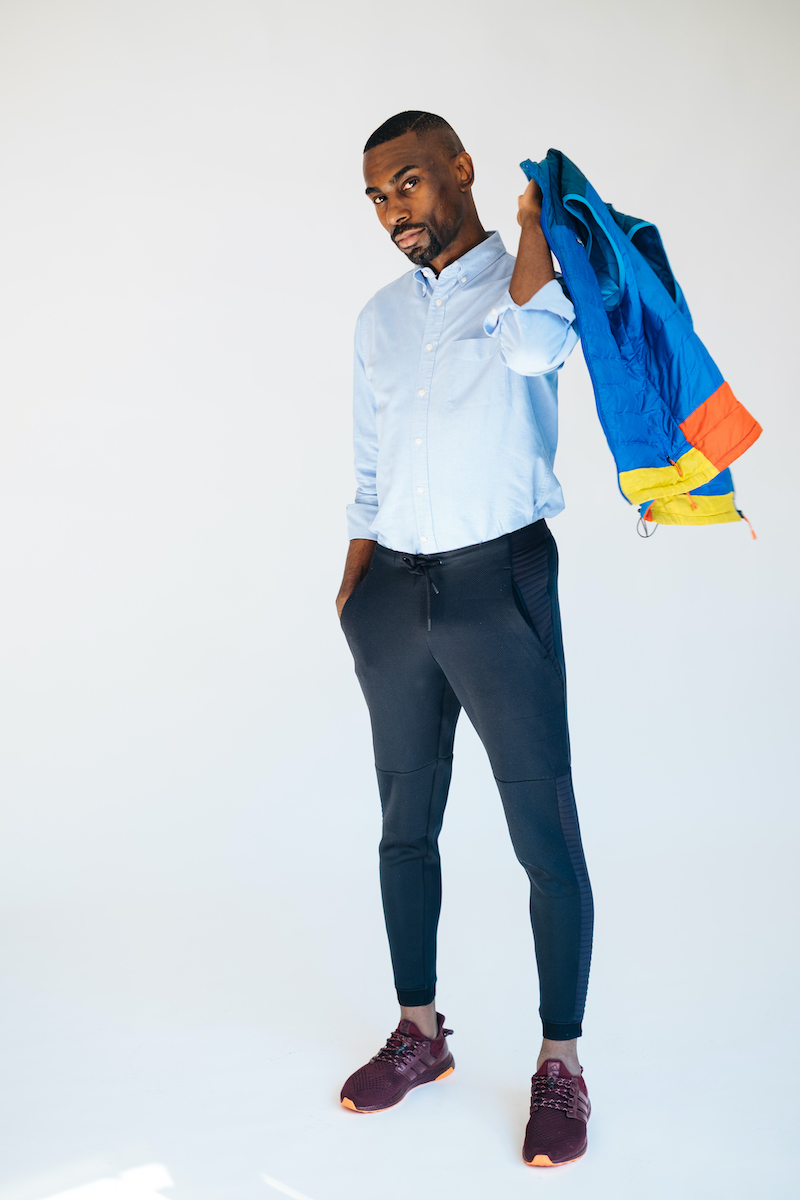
x,y
407,183
378,200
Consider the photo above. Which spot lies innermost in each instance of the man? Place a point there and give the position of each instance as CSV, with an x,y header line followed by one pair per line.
x,y
449,595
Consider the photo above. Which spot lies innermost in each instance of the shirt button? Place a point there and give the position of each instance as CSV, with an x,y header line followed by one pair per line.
x,y
418,441
494,312
423,539
463,279
438,305
429,346
421,392
420,490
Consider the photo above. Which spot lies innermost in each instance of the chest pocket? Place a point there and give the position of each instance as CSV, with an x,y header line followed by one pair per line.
x,y
474,379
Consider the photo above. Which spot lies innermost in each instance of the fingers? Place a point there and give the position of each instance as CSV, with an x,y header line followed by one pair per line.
x,y
529,203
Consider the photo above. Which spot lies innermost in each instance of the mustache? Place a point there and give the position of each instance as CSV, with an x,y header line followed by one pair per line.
x,y
402,230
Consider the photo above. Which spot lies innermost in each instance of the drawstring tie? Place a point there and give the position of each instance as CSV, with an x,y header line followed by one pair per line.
x,y
419,564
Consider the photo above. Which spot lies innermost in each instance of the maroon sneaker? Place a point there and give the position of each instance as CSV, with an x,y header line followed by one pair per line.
x,y
407,1060
560,1108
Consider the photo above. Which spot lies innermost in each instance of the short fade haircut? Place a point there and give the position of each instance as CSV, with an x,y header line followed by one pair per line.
x,y
423,124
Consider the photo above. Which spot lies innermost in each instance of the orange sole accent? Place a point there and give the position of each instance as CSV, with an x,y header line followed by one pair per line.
x,y
544,1160
348,1103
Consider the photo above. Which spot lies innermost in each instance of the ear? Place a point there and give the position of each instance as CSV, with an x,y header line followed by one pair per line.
x,y
464,171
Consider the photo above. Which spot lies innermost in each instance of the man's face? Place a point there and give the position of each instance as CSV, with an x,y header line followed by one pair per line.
x,y
417,193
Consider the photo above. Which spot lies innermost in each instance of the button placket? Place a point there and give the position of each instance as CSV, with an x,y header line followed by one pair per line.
x,y
419,471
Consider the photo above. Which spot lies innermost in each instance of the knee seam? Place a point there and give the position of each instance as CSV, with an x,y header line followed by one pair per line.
x,y
414,770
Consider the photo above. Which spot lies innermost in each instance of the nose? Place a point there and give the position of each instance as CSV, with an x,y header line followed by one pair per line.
x,y
396,210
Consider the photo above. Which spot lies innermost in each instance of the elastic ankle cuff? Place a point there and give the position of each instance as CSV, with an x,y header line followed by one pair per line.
x,y
555,1032
416,999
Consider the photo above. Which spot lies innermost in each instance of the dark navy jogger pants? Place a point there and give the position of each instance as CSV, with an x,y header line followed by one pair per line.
x,y
478,629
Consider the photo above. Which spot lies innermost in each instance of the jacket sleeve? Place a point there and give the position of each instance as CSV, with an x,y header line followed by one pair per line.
x,y
364,509
536,337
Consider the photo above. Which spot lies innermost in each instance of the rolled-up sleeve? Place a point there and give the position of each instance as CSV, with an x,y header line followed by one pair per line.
x,y
363,511
538,336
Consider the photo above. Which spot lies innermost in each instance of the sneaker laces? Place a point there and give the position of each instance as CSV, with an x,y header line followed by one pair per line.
x,y
398,1049
401,1046
552,1091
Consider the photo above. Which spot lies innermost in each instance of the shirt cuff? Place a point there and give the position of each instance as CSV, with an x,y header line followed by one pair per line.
x,y
549,298
359,519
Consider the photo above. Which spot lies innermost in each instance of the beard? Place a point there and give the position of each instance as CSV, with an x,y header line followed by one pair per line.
x,y
439,238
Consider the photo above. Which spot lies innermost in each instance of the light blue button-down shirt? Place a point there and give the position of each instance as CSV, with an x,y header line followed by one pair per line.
x,y
455,405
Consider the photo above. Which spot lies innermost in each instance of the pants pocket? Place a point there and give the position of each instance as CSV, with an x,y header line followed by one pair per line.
x,y
534,574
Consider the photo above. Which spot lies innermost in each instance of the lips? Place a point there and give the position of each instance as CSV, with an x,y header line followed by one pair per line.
x,y
407,237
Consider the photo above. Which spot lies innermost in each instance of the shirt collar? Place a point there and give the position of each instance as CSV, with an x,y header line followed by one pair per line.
x,y
465,268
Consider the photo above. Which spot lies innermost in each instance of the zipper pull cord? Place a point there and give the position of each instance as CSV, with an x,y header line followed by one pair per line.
x,y
752,531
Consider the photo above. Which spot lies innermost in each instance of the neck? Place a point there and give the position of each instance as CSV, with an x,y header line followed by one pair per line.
x,y
470,235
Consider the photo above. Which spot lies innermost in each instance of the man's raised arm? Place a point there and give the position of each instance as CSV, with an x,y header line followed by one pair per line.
x,y
535,321
534,266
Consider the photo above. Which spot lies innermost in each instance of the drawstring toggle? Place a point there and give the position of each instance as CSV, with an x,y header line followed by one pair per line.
x,y
420,564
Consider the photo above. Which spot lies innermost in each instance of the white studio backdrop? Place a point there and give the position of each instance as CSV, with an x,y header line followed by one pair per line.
x,y
192,953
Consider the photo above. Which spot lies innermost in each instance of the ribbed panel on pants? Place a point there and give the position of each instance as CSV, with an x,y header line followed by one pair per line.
x,y
568,814
534,570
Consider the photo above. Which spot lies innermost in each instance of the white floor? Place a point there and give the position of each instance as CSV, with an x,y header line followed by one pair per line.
x,y
210,1034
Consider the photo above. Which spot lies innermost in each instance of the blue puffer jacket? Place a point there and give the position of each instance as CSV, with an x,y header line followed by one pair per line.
x,y
671,421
